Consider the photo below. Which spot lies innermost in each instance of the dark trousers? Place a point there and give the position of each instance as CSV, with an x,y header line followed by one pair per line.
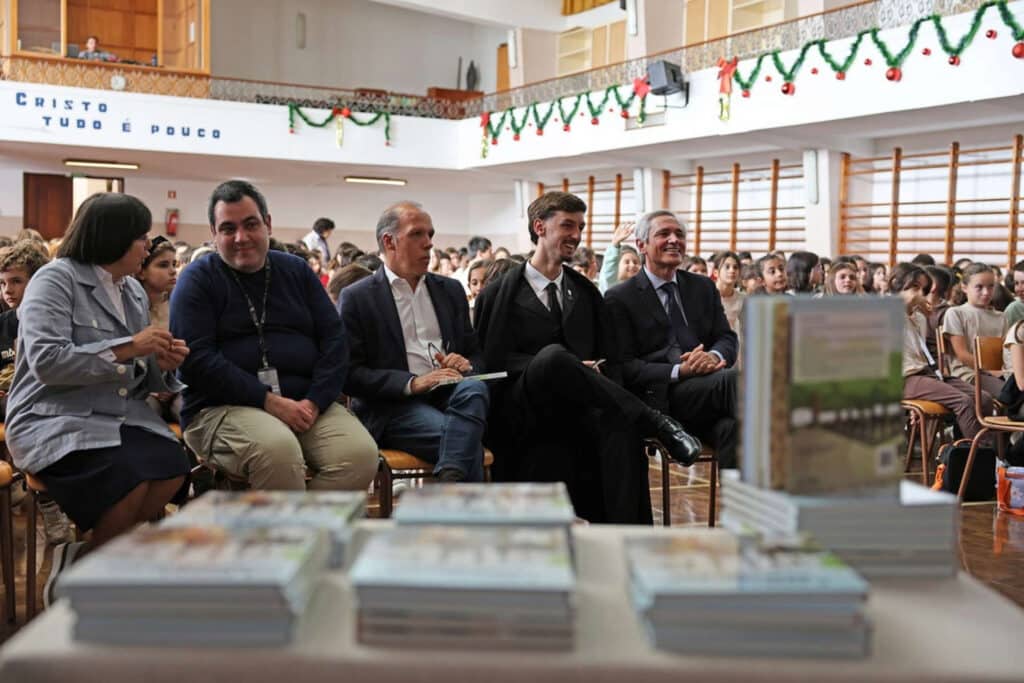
x,y
567,422
706,406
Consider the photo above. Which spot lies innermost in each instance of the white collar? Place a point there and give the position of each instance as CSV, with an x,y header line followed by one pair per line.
x,y
106,279
393,278
655,280
538,280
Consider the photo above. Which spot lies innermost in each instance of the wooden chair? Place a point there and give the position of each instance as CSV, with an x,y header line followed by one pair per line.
x,y
708,455
8,478
394,464
925,428
35,486
988,355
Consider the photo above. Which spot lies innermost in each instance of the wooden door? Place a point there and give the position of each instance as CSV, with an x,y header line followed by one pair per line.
x,y
502,82
48,204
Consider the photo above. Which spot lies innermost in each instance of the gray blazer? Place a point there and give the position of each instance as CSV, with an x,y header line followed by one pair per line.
x,y
65,397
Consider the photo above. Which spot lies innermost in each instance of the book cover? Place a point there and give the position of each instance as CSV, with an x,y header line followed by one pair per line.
x,y
505,503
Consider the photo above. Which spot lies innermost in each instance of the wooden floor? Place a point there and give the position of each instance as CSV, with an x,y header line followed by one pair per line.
x,y
991,543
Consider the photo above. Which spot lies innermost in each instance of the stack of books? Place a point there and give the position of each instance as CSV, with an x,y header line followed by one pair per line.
x,y
880,535
707,592
540,505
196,585
332,511
466,587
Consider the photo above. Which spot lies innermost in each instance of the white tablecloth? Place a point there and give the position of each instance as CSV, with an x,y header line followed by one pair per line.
x,y
925,631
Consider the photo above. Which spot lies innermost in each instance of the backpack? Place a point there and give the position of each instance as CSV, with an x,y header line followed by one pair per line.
x,y
952,459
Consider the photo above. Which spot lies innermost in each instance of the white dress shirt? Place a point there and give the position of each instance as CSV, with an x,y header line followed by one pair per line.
x,y
539,282
657,282
113,290
418,319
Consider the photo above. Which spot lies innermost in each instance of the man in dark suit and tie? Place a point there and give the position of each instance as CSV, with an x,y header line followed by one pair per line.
x,y
678,347
409,338
562,415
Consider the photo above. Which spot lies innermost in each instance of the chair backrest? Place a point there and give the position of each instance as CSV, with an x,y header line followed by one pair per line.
x,y
988,353
940,347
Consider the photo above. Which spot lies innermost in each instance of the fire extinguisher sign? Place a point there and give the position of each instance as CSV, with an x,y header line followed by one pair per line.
x,y
172,222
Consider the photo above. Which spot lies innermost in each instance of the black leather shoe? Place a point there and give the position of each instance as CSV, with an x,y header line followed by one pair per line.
x,y
683,447
449,475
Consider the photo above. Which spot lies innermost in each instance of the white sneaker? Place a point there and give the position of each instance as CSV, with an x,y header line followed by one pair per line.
x,y
63,555
56,524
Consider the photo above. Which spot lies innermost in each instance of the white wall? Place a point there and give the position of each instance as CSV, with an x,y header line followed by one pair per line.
x,y
349,44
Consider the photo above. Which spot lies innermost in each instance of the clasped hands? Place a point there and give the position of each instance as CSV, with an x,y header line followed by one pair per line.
x,y
452,367
699,362
169,352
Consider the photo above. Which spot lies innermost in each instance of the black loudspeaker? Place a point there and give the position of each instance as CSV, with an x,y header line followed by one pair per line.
x,y
665,78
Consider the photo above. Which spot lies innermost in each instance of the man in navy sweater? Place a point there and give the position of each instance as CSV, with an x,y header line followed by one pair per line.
x,y
268,360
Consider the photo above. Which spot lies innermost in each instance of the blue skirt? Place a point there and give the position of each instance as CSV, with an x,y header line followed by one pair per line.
x,y
89,482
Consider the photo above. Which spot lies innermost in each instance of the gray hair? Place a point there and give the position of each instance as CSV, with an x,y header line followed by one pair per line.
x,y
643,226
389,220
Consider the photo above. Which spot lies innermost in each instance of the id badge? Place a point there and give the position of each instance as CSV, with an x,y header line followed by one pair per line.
x,y
268,376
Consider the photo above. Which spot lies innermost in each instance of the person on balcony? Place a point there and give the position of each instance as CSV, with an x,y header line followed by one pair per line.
x,y
93,51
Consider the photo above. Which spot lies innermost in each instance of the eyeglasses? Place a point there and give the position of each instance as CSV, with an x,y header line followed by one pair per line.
x,y
432,351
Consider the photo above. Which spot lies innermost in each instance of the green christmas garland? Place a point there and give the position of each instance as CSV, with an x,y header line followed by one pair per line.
x,y
893,60
339,114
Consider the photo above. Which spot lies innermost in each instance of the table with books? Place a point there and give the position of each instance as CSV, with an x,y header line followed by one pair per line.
x,y
952,629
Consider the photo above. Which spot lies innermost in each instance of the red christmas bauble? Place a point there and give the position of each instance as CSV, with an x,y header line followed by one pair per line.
x,y
954,60
516,137
990,34
927,51
566,128
814,71
867,62
746,93
768,79
346,112
1018,50
840,75
540,131
894,74
625,114
594,121
788,88
494,141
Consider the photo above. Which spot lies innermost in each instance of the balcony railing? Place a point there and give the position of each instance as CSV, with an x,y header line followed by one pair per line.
x,y
836,24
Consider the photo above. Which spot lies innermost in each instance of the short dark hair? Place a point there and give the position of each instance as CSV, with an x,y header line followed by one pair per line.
x,y
104,227
923,259
478,244
903,275
233,191
798,270
322,225
370,261
345,276
546,205
942,279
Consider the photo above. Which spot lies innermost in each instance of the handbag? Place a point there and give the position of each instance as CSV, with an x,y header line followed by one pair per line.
x,y
952,459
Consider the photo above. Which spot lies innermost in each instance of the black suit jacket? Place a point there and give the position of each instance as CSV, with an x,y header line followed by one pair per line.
x,y
379,369
514,325
645,332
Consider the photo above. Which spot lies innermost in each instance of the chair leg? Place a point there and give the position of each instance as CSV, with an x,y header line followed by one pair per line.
x,y
7,552
969,465
928,437
666,488
912,438
30,557
384,493
713,493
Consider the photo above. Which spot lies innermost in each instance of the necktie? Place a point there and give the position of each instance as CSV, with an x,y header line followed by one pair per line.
x,y
675,315
553,305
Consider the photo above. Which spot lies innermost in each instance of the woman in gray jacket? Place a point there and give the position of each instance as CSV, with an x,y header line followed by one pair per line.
x,y
87,358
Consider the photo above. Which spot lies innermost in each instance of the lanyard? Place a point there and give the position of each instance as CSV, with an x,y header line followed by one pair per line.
x,y
258,323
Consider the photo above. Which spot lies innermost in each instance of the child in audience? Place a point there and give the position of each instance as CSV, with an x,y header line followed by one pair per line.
x,y
843,279
697,265
18,263
976,318
878,279
1015,283
475,277
158,276
772,270
863,273
942,280
727,265
345,276
921,377
803,272
611,267
750,279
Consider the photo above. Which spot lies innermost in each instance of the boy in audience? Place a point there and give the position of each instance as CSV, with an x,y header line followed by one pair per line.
x,y
750,278
17,266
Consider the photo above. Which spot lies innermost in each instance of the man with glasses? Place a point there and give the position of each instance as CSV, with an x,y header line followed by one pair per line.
x,y
412,346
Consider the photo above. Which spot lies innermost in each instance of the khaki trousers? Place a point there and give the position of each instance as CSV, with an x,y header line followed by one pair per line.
x,y
252,443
